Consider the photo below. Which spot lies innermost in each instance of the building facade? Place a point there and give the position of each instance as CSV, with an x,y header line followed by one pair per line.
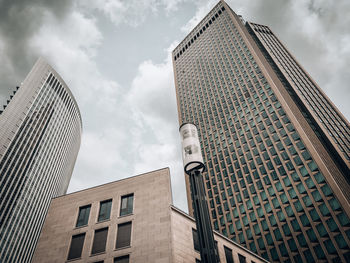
x,y
131,220
40,130
276,149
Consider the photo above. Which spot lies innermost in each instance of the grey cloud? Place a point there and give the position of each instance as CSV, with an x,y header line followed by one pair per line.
x,y
19,20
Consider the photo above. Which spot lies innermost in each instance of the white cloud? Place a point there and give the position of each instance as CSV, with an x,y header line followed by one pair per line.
x,y
153,101
132,12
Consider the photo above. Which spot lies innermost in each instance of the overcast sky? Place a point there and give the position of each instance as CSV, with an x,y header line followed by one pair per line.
x,y
115,57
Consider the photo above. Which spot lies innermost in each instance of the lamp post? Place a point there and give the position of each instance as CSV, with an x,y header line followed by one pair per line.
x,y
194,167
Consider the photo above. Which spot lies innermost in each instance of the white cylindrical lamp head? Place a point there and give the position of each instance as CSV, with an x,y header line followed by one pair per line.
x,y
191,149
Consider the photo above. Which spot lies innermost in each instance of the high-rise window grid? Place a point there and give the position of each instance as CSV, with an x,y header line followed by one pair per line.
x,y
36,156
224,91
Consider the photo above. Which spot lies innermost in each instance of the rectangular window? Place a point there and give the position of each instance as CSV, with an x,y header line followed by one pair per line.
x,y
105,210
76,246
122,259
127,204
123,235
195,240
241,259
83,216
100,239
228,255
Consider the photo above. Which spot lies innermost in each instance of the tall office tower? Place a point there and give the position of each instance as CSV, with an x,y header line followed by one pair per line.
x,y
276,148
40,132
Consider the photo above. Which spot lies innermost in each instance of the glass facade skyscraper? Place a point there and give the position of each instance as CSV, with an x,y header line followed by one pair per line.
x,y
40,132
276,149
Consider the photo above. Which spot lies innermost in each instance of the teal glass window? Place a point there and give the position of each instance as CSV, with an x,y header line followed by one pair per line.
x,y
268,208
279,187
289,211
245,220
287,181
311,234
275,203
332,225
321,230
261,243
256,229
286,230
329,246
307,201
306,155
324,210
302,240
310,184
105,210
313,166
334,204
298,206
283,249
295,225
340,241
308,256
319,178
326,190
238,225
304,220
83,216
252,216
264,225
343,219
281,216
292,193
314,215
231,229
303,171
295,177
284,198
292,245
319,252
316,195
272,220
269,239
277,234
235,212
301,188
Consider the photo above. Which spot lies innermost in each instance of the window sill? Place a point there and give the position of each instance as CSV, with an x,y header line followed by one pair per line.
x,y
78,227
73,259
97,254
103,221
126,215
120,248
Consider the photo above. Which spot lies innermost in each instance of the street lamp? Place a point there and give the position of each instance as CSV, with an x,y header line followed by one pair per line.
x,y
194,167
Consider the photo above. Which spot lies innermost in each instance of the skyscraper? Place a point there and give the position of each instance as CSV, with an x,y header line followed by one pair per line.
x,y
275,147
40,130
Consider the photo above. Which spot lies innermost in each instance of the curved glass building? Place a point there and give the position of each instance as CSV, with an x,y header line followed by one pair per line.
x,y
40,133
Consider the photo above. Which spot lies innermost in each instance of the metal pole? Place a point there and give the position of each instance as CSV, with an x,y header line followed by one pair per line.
x,y
201,214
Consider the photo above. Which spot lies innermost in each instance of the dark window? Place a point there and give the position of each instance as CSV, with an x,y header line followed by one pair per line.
x,y
195,240
122,259
76,246
241,258
105,210
123,235
127,203
83,216
228,255
100,239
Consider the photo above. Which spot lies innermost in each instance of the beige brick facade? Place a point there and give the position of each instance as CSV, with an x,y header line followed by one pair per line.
x,y
160,232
